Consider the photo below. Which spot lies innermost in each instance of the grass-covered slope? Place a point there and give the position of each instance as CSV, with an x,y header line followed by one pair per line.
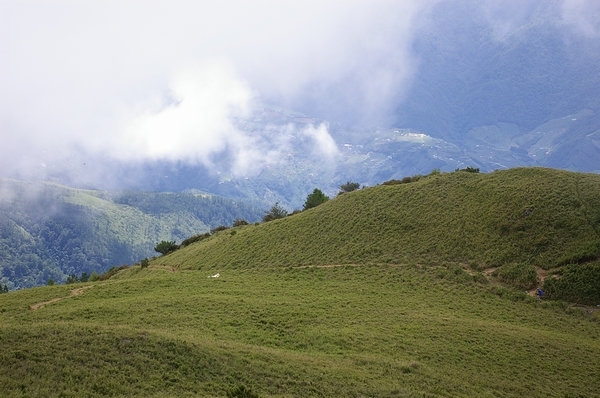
x,y
360,296
351,331
535,216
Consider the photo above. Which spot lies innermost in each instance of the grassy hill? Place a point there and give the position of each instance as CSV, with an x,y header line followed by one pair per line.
x,y
541,217
383,292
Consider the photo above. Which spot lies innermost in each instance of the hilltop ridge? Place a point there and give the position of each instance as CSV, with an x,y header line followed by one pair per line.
x,y
542,217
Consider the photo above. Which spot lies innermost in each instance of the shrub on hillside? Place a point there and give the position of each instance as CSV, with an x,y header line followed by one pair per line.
x,y
519,275
144,263
238,222
165,247
578,284
111,272
276,212
456,274
469,169
315,198
404,180
348,187
583,254
218,229
195,238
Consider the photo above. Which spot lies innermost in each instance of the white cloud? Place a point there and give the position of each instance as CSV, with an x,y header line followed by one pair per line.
x,y
142,80
158,79
325,146
196,124
583,15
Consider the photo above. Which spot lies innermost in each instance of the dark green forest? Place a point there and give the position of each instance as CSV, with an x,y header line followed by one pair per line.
x,y
48,231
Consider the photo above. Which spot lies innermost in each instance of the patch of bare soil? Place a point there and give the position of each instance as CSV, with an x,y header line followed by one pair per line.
x,y
488,272
74,292
326,266
166,267
542,274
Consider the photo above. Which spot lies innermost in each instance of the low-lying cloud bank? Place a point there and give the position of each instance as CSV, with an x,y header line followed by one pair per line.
x,y
171,81
140,81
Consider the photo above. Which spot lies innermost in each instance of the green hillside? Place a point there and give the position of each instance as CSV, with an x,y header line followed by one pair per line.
x,y
535,216
49,231
393,291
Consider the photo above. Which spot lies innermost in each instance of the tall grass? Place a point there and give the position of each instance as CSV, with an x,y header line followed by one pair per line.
x,y
576,283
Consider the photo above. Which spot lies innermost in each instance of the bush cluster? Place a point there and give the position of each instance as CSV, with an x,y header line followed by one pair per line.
x,y
218,229
85,277
166,247
578,284
469,169
238,222
405,180
275,213
111,272
348,187
521,276
314,199
194,239
434,172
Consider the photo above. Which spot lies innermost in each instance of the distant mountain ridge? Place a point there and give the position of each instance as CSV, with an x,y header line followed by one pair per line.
x,y
49,231
486,92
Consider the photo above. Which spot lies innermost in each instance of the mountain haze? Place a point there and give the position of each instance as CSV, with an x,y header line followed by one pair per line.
x,y
49,231
415,86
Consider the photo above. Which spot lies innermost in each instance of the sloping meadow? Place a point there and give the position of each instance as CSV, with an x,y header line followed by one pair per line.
x,y
541,217
352,331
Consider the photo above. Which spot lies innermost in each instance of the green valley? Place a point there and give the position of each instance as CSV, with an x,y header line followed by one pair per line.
x,y
50,231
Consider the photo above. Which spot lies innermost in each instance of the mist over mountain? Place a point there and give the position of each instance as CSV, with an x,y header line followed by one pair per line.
x,y
264,108
49,231
476,71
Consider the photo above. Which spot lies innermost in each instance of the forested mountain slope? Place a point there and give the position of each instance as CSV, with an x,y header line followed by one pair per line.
x,y
48,231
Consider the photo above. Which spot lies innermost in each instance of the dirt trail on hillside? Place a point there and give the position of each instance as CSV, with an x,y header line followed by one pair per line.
x,y
326,266
75,292
169,268
488,272
542,274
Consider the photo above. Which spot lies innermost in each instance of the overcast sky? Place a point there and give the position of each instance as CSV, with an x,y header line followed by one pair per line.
x,y
161,79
